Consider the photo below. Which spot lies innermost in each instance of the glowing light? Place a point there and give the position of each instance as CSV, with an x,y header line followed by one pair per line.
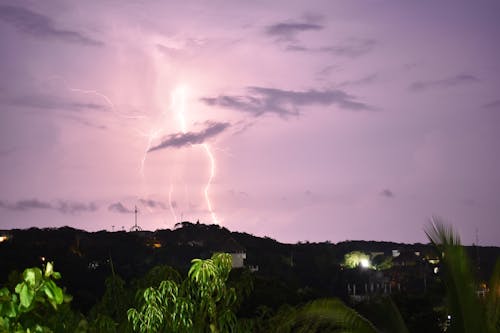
x,y
171,206
3,238
365,263
151,136
179,106
100,95
211,177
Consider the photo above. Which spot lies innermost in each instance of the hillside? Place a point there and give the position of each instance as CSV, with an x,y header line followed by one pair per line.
x,y
282,273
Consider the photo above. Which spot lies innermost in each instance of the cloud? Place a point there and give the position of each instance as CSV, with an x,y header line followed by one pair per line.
x,y
387,193
118,207
152,203
351,48
71,207
64,207
362,81
284,103
49,102
179,140
492,105
459,79
41,26
85,122
287,31
6,152
26,204
325,71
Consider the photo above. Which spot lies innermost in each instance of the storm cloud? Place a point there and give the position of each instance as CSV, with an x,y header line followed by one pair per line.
x,y
118,207
284,103
287,31
40,26
351,48
152,203
492,105
61,206
50,102
387,193
361,81
179,140
456,80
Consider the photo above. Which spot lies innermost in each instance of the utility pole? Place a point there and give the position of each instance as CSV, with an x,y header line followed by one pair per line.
x,y
478,262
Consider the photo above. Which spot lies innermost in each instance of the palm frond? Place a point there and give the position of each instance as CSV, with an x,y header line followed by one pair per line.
x,y
329,315
493,300
467,315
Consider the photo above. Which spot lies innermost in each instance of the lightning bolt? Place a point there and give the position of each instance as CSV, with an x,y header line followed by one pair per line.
x,y
179,106
172,210
96,93
209,182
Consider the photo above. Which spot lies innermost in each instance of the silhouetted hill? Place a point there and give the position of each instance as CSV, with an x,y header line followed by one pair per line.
x,y
294,272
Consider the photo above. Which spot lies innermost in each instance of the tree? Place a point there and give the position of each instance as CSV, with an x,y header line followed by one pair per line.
x,y
25,309
356,258
468,313
201,303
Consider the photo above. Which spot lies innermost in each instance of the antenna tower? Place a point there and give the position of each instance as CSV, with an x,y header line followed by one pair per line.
x,y
136,227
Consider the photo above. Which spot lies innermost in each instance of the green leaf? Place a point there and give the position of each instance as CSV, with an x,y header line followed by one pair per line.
x,y
53,292
49,269
26,295
32,276
8,309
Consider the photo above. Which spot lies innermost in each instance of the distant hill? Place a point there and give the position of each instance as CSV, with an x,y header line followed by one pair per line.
x,y
85,259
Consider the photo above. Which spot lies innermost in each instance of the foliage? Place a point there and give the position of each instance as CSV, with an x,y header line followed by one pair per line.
x,y
355,258
323,315
381,262
201,303
468,313
23,310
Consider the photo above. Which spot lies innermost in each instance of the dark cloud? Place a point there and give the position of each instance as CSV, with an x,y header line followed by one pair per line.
x,y
468,202
387,193
71,207
492,105
325,71
27,204
179,140
49,102
86,123
362,81
41,26
6,152
284,103
118,207
152,203
287,31
350,48
456,80
64,207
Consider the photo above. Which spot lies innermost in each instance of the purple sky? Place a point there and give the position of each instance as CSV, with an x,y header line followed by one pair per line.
x,y
326,120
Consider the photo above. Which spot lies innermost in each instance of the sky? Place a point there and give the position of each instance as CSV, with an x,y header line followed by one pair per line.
x,y
297,120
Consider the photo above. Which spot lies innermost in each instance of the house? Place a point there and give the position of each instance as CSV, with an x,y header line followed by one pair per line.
x,y
237,252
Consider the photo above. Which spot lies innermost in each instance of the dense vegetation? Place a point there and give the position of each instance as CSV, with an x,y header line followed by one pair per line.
x,y
127,287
